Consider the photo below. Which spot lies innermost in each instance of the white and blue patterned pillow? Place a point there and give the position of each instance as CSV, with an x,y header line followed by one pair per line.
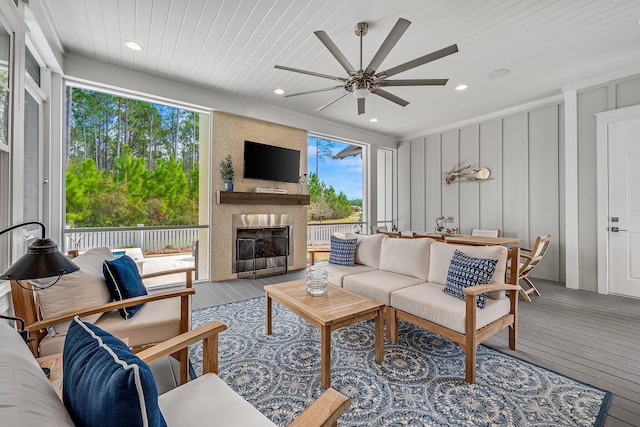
x,y
343,251
465,271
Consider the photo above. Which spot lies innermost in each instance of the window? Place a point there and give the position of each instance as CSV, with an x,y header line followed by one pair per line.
x,y
335,182
133,171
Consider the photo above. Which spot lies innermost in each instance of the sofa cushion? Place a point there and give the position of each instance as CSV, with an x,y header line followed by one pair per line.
x,y
428,302
343,251
337,273
406,256
378,284
156,321
81,289
26,395
441,254
209,398
104,383
124,282
368,248
465,271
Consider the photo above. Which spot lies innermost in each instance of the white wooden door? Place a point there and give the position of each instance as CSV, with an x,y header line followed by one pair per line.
x,y
624,208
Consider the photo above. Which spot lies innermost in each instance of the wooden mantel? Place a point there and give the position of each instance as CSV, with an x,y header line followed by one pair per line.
x,y
251,198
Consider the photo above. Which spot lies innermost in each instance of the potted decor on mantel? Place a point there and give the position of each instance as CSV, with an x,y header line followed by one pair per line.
x,y
226,173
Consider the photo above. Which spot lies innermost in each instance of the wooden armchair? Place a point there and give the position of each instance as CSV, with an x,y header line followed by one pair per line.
x,y
529,258
164,315
182,404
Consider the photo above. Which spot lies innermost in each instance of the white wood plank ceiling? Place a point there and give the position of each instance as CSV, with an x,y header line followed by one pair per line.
x,y
231,46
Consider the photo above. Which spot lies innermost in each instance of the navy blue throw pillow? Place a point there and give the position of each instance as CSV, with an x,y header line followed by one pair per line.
x,y
465,271
104,383
124,281
343,251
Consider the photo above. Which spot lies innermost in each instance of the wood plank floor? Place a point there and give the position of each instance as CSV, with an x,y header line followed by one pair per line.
x,y
587,336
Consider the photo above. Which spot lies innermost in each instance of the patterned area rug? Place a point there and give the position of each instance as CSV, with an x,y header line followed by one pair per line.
x,y
420,383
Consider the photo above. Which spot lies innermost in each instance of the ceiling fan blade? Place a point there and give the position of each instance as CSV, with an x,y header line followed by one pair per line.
x,y
396,32
329,44
335,100
391,97
315,91
418,61
360,106
414,82
311,73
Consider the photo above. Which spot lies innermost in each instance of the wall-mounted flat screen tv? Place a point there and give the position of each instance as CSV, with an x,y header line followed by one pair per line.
x,y
271,163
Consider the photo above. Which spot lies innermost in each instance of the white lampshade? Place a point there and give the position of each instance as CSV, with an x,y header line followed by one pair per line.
x,y
361,93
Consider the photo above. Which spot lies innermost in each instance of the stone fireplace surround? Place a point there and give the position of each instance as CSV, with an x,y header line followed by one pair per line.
x,y
228,133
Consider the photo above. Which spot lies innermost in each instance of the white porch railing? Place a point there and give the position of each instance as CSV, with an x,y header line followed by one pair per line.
x,y
320,234
146,238
156,238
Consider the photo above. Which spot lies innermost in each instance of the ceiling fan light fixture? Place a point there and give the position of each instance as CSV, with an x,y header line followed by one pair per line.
x,y
373,120
462,87
278,91
361,93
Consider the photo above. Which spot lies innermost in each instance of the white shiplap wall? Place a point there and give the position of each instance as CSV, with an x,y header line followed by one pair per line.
x,y
522,198
525,198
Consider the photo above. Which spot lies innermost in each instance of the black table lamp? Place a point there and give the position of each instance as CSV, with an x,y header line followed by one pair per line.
x,y
42,260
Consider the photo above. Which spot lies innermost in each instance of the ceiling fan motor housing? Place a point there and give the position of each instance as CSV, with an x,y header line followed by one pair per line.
x,y
362,28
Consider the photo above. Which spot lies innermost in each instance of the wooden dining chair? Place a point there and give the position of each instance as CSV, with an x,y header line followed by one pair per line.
x,y
486,233
529,258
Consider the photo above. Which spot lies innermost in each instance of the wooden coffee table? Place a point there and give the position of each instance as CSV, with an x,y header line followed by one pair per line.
x,y
337,309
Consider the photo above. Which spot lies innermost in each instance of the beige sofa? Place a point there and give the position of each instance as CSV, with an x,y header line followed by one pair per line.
x,y
28,399
408,275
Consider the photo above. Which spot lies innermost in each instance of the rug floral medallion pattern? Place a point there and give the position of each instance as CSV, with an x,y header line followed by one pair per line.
x,y
420,383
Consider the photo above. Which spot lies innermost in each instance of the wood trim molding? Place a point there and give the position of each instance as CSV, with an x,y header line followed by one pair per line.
x,y
251,198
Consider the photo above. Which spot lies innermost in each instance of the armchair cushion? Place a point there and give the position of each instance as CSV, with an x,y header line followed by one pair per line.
x,y
343,251
82,289
209,398
465,271
104,383
123,282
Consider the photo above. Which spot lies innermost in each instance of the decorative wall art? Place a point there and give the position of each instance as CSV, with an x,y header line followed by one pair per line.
x,y
466,173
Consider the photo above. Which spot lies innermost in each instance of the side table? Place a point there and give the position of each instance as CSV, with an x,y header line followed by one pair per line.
x,y
54,363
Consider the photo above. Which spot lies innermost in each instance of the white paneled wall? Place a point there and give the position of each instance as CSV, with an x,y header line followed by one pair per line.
x,y
522,196
525,197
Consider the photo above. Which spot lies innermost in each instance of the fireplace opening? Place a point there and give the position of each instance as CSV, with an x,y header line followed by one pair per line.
x,y
262,251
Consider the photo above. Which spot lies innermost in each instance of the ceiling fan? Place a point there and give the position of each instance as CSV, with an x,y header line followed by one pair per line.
x,y
365,81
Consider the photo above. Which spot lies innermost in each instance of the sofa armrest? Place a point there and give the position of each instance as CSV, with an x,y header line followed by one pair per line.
x,y
479,289
186,270
43,324
208,334
324,411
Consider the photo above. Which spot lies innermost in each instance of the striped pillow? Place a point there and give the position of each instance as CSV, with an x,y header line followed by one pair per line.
x,y
104,383
343,251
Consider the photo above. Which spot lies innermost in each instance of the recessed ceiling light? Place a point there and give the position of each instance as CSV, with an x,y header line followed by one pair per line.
x,y
498,73
278,91
133,45
462,87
